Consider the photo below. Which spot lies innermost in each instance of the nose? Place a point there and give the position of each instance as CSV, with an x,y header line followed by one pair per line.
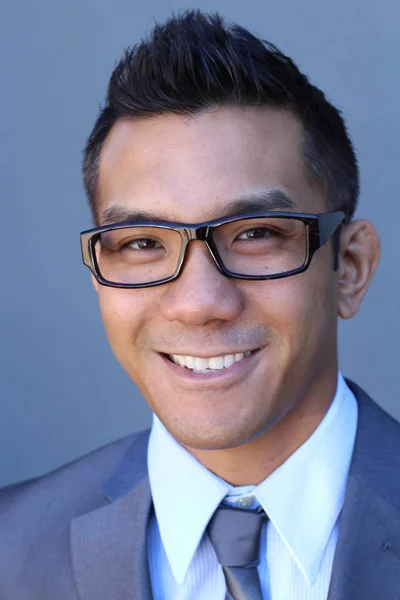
x,y
202,293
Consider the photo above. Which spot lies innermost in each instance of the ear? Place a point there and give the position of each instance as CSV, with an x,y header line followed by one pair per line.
x,y
95,283
359,257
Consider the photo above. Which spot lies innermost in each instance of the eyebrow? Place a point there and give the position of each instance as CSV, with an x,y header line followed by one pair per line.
x,y
265,200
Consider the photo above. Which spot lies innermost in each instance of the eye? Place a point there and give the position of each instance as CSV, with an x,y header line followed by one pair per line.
x,y
257,233
143,244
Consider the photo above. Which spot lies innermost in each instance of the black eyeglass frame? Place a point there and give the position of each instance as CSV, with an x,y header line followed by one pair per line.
x,y
319,229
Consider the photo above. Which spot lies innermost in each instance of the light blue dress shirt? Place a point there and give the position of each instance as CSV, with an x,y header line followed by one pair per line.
x,y
303,499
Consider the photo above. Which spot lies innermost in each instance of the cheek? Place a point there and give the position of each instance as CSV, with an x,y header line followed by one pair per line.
x,y
123,313
298,310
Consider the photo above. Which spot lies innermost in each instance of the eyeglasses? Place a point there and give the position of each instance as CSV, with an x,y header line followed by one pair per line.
x,y
255,246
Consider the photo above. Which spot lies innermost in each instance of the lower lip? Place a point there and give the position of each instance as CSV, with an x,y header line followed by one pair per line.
x,y
236,371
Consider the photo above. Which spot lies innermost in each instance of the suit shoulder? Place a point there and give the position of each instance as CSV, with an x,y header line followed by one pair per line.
x,y
77,484
376,456
35,518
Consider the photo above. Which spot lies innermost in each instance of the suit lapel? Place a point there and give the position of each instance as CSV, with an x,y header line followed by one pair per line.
x,y
109,544
367,559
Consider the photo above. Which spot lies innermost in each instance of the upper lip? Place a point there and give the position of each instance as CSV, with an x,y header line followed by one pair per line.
x,y
209,354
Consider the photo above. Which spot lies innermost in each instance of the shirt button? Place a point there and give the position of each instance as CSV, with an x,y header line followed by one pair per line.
x,y
246,502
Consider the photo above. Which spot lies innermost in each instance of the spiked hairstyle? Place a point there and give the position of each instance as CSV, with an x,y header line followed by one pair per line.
x,y
196,61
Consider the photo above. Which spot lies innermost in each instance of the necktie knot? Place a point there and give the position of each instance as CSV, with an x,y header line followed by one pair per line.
x,y
235,536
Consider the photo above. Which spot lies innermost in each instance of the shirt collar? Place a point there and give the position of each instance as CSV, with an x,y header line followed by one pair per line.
x,y
314,479
186,494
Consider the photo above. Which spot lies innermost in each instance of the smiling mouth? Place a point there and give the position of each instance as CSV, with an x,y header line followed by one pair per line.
x,y
196,364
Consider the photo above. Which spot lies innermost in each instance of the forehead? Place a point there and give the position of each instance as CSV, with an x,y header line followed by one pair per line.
x,y
189,168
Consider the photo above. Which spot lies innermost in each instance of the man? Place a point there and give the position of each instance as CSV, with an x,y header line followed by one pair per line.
x,y
223,187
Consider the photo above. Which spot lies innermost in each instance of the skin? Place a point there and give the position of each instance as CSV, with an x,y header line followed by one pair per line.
x,y
189,170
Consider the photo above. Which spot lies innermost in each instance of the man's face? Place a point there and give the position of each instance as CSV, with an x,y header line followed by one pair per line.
x,y
189,170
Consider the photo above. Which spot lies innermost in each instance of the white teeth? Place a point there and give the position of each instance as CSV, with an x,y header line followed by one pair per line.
x,y
215,363
188,361
229,360
200,364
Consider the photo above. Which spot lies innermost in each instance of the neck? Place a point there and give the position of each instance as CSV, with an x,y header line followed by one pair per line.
x,y
252,462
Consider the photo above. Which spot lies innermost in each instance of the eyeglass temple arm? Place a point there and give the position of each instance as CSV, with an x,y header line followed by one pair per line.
x,y
327,224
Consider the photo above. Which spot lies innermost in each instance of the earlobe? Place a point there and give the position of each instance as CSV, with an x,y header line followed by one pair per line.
x,y
359,258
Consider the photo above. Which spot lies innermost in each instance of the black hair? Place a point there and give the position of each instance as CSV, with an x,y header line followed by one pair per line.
x,y
194,62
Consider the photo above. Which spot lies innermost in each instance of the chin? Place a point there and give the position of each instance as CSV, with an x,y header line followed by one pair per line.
x,y
213,436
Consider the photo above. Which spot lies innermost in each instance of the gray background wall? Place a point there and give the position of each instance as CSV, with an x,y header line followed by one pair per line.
x,y
62,392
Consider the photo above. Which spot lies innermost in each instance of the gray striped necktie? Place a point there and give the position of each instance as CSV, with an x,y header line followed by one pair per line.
x,y
235,536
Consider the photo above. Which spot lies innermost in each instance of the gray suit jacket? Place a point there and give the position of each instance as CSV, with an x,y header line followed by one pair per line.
x,y
79,533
